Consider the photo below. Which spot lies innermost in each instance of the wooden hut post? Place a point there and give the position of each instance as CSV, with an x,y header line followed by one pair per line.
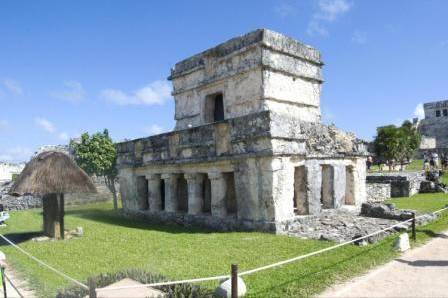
x,y
61,214
50,215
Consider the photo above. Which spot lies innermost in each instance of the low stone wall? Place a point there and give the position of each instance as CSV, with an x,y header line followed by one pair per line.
x,y
378,192
27,201
402,184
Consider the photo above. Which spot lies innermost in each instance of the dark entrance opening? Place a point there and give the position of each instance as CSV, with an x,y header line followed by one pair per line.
x,y
214,108
207,195
142,190
182,194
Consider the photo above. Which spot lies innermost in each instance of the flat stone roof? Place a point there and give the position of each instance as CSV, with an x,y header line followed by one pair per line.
x,y
265,37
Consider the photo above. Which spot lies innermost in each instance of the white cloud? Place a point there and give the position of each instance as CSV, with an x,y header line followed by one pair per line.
x,y
45,124
327,12
16,154
12,87
285,10
154,129
63,136
155,93
73,91
359,37
330,10
419,111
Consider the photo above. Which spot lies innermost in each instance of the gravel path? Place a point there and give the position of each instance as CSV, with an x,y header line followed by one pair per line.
x,y
421,272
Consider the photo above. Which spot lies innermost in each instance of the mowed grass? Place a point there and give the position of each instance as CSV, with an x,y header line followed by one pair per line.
x,y
422,203
112,243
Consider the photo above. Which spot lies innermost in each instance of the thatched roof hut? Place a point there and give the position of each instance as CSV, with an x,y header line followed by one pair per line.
x,y
51,174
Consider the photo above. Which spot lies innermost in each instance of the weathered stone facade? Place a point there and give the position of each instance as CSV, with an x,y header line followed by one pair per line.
x,y
249,151
382,186
434,128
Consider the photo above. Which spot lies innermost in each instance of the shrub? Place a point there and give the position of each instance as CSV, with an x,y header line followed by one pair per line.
x,y
140,275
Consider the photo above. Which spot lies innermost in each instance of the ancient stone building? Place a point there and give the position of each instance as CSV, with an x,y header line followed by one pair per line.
x,y
434,128
248,150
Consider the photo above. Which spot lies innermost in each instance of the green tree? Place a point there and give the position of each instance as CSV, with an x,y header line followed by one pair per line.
x,y
397,143
97,155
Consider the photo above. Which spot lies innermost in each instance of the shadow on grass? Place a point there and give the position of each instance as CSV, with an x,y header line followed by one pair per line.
x,y
18,238
113,217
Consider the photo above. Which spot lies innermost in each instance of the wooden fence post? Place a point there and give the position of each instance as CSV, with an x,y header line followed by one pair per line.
x,y
234,280
2,268
92,287
414,234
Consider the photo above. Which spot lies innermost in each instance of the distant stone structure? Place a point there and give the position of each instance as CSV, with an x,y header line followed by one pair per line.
x,y
383,186
434,128
8,169
248,150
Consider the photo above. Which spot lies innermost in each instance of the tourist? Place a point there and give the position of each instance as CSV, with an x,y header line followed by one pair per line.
x,y
369,162
426,165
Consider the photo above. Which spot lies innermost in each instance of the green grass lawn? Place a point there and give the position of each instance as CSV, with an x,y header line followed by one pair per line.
x,y
423,203
415,165
112,243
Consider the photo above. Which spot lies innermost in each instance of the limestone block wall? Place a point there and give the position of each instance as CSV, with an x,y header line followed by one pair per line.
x,y
378,192
262,70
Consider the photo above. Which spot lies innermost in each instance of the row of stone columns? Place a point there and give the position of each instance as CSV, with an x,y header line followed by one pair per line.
x,y
195,185
323,186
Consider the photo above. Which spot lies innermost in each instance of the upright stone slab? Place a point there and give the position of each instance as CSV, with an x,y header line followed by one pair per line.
x,y
219,187
154,194
170,192
195,192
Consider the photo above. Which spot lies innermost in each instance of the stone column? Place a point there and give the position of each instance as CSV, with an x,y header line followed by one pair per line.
x,y
170,192
339,185
154,195
314,186
219,187
195,192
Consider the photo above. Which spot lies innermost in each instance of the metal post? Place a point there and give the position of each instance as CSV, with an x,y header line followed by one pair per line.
x,y
414,235
234,280
92,288
3,281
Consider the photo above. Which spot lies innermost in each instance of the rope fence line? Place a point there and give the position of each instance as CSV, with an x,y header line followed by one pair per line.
x,y
44,264
252,271
220,277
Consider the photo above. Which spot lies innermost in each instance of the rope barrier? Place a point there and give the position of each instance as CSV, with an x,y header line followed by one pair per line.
x,y
13,286
252,271
43,263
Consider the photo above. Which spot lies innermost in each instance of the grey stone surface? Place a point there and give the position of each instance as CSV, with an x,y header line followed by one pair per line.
x,y
225,288
378,192
339,226
387,211
402,242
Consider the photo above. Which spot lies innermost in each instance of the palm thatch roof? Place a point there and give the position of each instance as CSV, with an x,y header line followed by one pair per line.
x,y
52,172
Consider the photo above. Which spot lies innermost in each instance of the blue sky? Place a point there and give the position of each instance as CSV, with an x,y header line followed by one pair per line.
x,y
72,66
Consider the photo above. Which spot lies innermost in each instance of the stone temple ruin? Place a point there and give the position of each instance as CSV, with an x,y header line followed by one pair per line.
x,y
434,128
248,150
